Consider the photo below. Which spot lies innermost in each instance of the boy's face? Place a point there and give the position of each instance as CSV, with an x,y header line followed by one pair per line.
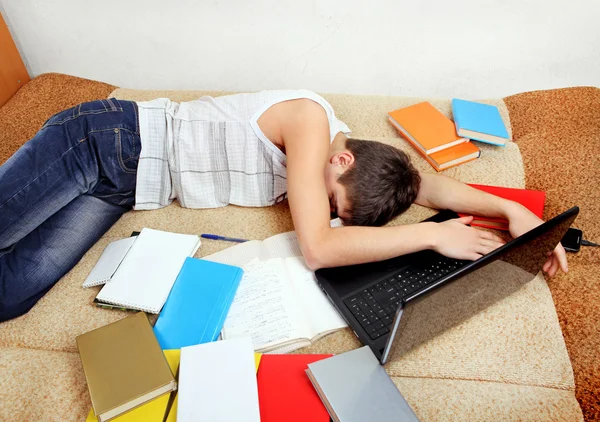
x,y
338,202
337,199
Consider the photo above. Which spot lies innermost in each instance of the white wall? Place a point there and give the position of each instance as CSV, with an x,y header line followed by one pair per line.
x,y
443,48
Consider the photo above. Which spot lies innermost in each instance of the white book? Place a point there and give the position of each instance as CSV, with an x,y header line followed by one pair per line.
x,y
280,306
148,271
217,382
109,261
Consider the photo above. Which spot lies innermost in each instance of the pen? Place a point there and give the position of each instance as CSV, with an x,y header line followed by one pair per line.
x,y
217,237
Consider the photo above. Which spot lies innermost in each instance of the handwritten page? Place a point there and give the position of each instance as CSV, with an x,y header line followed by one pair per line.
x,y
264,308
321,316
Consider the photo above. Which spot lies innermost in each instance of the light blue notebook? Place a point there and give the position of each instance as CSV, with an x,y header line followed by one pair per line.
x,y
480,122
198,304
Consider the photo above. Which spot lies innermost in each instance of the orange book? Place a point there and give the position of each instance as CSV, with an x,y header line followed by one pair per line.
x,y
533,200
449,157
453,156
426,127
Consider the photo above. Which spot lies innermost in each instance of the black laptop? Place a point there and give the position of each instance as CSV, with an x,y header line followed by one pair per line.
x,y
372,297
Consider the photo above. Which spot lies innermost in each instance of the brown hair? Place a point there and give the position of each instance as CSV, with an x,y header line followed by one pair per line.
x,y
380,184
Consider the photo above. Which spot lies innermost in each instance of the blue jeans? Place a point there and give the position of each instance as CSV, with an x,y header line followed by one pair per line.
x,y
60,192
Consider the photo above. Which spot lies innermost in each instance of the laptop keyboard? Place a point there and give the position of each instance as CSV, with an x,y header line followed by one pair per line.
x,y
375,306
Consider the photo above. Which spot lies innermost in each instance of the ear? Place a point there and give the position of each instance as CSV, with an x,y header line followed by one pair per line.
x,y
343,159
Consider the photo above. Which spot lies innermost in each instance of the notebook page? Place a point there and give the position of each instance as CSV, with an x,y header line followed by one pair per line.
x,y
239,255
282,245
109,261
286,245
217,382
320,314
146,275
264,307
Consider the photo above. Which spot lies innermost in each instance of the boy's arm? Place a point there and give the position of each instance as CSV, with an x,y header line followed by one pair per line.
x,y
306,140
441,192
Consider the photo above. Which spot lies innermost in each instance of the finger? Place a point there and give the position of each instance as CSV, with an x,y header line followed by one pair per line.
x,y
547,264
561,255
493,244
485,249
553,268
490,236
464,220
472,256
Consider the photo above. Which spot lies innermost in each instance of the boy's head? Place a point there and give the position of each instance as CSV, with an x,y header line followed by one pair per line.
x,y
369,183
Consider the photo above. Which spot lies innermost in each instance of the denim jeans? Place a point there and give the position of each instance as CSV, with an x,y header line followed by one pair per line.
x,y
60,192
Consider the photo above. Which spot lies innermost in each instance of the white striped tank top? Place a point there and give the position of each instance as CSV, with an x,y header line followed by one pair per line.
x,y
210,152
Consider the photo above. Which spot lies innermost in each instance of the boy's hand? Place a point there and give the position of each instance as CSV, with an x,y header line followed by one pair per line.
x,y
455,239
522,221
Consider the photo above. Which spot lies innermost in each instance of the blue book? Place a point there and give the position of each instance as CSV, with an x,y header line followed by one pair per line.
x,y
198,304
480,122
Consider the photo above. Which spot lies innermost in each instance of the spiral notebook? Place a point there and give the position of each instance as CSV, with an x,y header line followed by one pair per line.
x,y
149,270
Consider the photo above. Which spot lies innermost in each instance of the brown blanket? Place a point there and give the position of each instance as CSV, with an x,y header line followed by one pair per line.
x,y
558,132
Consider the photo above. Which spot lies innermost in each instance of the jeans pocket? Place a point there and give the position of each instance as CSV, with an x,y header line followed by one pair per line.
x,y
128,148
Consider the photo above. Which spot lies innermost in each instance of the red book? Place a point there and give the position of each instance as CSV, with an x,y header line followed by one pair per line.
x,y
533,200
285,392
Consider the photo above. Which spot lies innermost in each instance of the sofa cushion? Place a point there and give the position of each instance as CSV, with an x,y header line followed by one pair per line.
x,y
40,385
514,339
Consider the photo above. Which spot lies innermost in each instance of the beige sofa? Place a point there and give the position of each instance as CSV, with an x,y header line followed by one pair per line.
x,y
507,361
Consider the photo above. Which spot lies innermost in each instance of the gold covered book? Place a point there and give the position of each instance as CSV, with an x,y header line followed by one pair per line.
x,y
124,366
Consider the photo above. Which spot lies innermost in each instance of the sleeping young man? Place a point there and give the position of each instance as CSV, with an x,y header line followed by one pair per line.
x,y
88,165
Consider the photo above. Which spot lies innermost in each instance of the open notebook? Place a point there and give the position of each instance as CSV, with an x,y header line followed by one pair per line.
x,y
148,271
283,245
281,307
